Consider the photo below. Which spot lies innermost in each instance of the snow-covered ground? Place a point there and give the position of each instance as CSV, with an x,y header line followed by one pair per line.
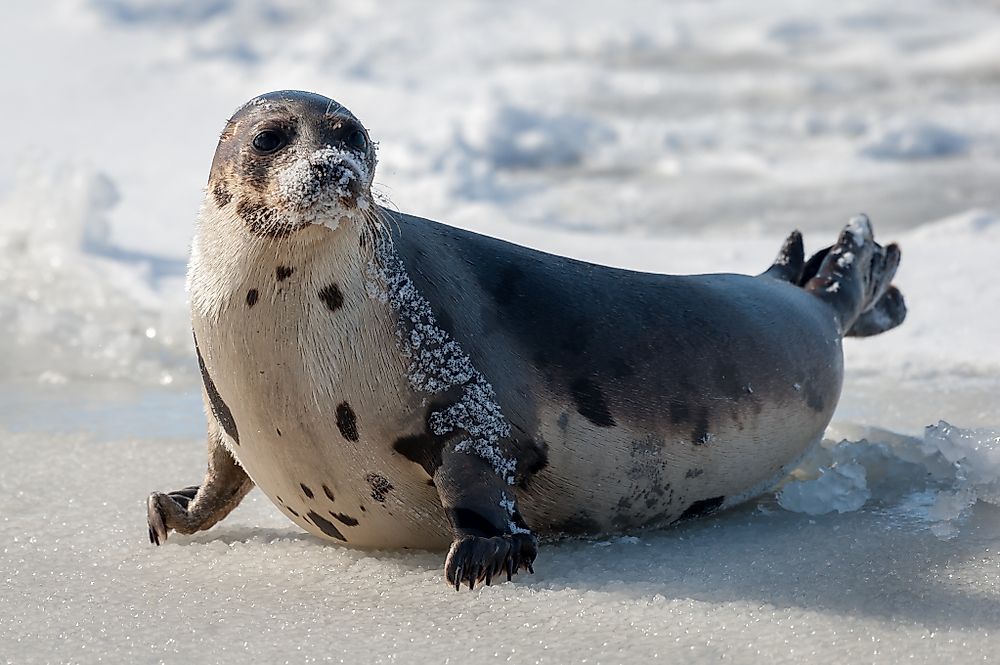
x,y
672,137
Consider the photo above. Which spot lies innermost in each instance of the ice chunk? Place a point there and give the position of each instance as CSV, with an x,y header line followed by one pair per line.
x,y
840,488
934,480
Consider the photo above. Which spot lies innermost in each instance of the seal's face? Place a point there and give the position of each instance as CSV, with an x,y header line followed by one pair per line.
x,y
290,159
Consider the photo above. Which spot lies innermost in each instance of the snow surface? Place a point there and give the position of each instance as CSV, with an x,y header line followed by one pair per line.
x,y
672,137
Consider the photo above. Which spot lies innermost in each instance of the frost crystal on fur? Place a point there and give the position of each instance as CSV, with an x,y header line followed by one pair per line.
x,y
315,185
437,363
860,228
508,505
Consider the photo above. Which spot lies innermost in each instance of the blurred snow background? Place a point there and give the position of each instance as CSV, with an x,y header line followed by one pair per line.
x,y
672,137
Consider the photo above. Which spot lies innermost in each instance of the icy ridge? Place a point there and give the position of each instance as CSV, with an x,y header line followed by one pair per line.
x,y
935,479
74,304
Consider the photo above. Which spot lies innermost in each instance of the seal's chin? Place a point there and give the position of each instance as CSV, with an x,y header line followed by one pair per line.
x,y
324,188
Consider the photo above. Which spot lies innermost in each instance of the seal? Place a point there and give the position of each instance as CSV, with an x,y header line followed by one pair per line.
x,y
392,382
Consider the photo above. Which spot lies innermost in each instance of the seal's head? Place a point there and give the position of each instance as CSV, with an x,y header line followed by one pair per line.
x,y
290,159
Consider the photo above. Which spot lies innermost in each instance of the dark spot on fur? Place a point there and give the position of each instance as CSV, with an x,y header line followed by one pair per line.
x,y
252,296
422,449
814,396
283,272
532,458
590,402
471,523
278,430
506,287
363,509
700,434
219,407
347,423
702,508
279,499
326,526
345,519
292,511
328,492
305,490
380,486
222,195
694,473
331,297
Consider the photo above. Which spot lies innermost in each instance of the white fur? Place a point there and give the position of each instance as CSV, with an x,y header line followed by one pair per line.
x,y
287,363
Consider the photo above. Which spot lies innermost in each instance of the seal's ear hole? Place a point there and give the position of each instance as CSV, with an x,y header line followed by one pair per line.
x,y
269,140
357,140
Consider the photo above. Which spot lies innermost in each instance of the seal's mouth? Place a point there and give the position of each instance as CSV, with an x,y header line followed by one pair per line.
x,y
325,186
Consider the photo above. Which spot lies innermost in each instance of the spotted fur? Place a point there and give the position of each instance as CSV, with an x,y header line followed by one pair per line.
x,y
470,391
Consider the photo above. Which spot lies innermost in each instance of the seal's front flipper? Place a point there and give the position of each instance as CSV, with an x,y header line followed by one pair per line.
x,y
491,538
789,263
197,508
855,274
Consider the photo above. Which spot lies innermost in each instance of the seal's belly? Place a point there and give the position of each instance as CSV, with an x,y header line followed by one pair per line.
x,y
328,465
362,499
320,447
318,405
647,475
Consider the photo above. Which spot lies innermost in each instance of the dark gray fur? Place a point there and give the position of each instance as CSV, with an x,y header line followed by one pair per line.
x,y
675,356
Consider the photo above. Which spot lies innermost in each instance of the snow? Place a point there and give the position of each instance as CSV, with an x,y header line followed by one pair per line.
x,y
298,184
672,137
915,140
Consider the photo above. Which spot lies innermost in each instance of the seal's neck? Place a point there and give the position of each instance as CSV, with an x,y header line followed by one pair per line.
x,y
227,259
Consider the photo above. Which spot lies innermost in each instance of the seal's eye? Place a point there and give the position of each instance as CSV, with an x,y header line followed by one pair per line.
x,y
269,140
357,140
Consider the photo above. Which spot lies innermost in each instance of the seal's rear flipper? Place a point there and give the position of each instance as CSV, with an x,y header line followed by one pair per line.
x,y
887,313
812,265
789,263
854,275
